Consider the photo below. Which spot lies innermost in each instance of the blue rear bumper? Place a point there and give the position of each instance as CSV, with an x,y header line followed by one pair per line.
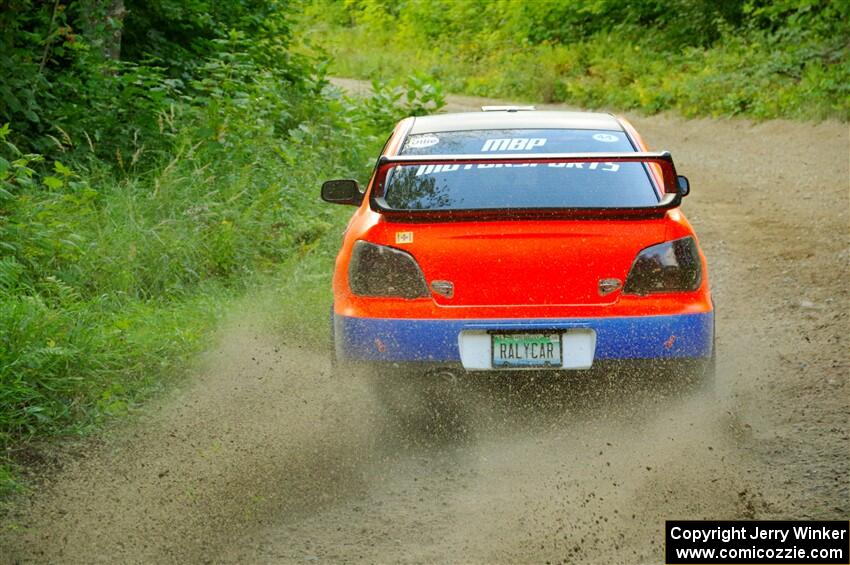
x,y
639,337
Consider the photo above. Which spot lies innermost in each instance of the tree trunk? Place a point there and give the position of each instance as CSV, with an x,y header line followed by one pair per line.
x,y
117,13
103,25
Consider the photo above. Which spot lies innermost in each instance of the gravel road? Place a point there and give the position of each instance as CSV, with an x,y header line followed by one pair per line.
x,y
264,457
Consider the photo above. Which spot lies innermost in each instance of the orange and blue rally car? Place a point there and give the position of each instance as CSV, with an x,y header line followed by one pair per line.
x,y
513,239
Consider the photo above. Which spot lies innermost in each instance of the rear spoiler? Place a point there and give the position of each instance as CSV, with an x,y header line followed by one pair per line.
x,y
671,187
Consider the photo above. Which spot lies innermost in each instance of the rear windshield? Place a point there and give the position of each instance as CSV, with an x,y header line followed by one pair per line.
x,y
527,185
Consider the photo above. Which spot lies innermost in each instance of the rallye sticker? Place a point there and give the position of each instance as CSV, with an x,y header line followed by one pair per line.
x,y
421,141
602,166
606,137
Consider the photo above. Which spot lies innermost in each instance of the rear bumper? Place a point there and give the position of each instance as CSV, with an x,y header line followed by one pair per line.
x,y
437,340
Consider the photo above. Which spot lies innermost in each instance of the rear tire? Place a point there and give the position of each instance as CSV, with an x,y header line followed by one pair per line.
x,y
697,375
419,404
709,378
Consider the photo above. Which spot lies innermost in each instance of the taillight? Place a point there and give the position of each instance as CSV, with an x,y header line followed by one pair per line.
x,y
378,270
672,266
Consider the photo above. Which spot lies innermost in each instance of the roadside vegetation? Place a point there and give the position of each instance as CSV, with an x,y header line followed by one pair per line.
x,y
158,160
755,58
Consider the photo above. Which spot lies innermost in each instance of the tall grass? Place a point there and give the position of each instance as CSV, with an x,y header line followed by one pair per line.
x,y
112,276
788,59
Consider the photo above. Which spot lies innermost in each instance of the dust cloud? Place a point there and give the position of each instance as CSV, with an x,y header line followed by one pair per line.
x,y
266,456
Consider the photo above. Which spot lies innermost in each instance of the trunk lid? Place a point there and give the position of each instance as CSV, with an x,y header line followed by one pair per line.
x,y
545,262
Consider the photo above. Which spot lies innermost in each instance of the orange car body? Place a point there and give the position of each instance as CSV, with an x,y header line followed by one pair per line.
x,y
530,273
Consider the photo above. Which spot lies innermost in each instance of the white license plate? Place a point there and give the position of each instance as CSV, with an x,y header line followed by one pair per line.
x,y
526,350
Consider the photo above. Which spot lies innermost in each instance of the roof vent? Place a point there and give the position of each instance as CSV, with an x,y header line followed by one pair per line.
x,y
507,108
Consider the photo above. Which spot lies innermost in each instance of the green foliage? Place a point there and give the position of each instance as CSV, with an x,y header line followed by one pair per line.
x,y
96,270
141,195
88,76
417,95
757,58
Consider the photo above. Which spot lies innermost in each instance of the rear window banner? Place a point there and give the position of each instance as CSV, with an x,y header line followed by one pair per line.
x,y
602,166
487,142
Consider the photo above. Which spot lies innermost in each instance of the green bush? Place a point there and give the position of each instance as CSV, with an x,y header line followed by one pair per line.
x,y
141,195
101,77
97,268
698,57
